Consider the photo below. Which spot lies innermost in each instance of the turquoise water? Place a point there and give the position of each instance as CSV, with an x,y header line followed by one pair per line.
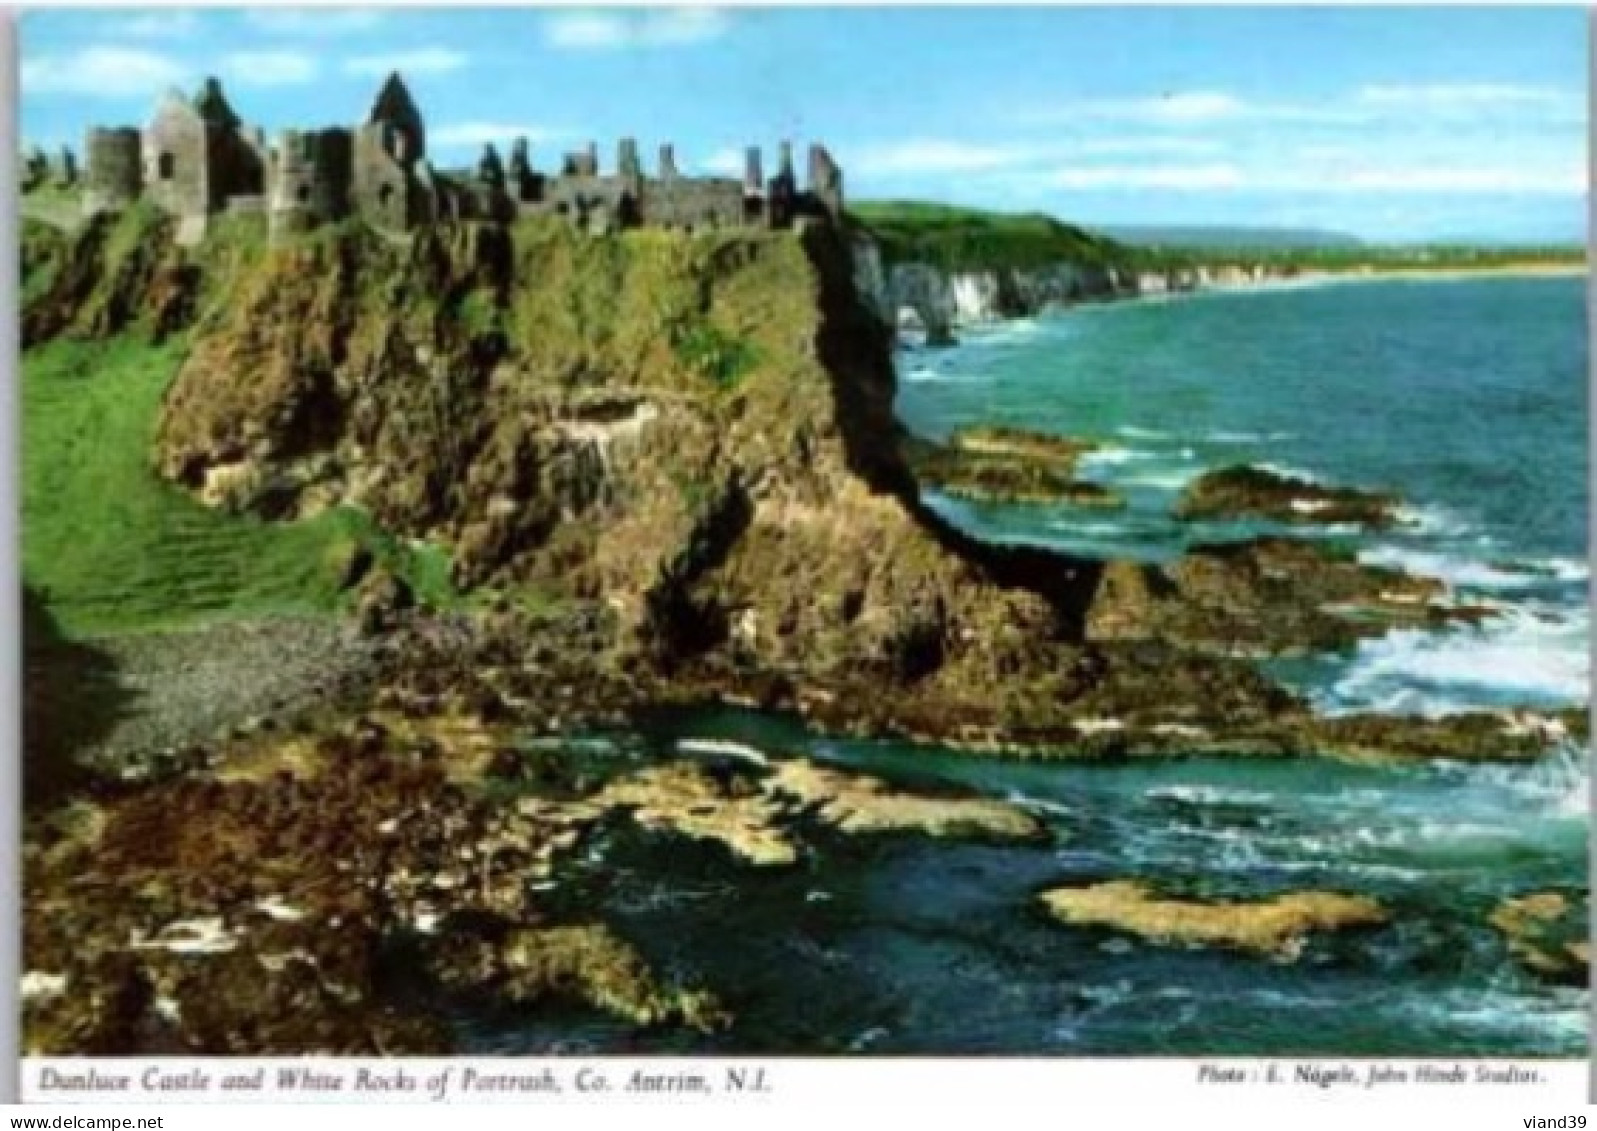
x,y
1468,398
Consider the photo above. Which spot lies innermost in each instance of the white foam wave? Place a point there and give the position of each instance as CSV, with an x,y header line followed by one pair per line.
x,y
1039,804
1522,654
725,747
1091,529
1247,437
1561,569
1453,570
1290,472
1434,519
1328,530
1210,795
1132,432
1110,457
1166,479
1558,785
1561,1015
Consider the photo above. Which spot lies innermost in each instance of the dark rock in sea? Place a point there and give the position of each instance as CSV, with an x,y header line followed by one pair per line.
x,y
1252,492
1266,595
1006,465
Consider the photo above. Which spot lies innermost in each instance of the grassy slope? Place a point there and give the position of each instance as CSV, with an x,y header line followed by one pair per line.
x,y
970,239
110,548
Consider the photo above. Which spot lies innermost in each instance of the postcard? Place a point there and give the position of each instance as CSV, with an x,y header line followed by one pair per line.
x,y
708,535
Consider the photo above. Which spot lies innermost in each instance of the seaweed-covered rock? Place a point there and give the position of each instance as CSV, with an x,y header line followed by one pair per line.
x,y
583,962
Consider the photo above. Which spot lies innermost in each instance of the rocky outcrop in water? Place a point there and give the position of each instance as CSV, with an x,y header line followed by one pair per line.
x,y
1005,465
1548,932
1253,492
1276,927
1267,595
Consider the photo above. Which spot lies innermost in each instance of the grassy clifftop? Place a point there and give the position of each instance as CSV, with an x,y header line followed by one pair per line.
x,y
970,239
108,546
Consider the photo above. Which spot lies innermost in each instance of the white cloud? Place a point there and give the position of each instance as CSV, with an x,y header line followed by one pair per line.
x,y
950,156
314,21
1445,103
1505,180
621,30
1124,144
1202,108
423,61
726,162
1187,107
157,25
1466,94
475,135
269,68
1180,178
111,72
1427,179
935,155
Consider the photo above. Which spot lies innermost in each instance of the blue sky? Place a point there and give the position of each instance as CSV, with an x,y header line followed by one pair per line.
x,y
1390,123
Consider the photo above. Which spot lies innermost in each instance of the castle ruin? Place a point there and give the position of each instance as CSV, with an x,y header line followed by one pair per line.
x,y
196,159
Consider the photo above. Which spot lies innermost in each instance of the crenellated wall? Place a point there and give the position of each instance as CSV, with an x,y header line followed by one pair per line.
x,y
197,159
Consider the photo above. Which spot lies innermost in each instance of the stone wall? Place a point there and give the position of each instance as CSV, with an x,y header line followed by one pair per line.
x,y
382,188
115,175
176,172
694,204
312,173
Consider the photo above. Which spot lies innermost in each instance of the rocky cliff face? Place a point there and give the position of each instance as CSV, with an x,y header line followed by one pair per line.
x,y
697,433
932,303
929,304
694,437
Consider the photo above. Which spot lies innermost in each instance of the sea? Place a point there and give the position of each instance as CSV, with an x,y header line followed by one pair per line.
x,y
1468,398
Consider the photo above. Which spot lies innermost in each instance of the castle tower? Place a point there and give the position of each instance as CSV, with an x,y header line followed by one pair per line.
x,y
522,181
781,193
490,169
627,164
177,171
115,175
753,174
389,155
403,132
668,163
36,169
309,181
826,181
213,108
67,168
